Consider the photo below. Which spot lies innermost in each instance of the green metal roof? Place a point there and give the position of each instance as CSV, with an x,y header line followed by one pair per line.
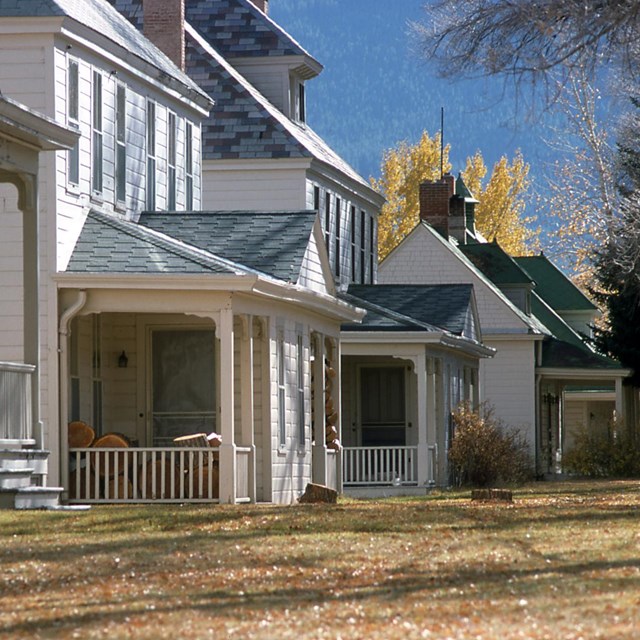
x,y
553,286
496,264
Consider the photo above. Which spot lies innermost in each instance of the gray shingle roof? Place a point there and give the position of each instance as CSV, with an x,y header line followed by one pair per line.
x,y
424,307
243,124
271,242
102,18
235,27
110,245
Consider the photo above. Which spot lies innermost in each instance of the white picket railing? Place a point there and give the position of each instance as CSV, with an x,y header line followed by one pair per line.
x,y
144,474
369,466
15,401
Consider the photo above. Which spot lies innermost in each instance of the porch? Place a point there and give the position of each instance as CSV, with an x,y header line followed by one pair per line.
x,y
378,471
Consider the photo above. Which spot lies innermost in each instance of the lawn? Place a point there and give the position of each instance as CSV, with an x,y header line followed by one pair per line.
x,y
562,562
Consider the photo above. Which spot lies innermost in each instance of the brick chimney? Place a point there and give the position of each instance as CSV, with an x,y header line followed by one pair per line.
x,y
443,209
263,5
164,26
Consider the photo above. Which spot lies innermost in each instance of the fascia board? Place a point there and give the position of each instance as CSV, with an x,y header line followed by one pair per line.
x,y
583,374
155,281
320,303
511,336
33,25
417,337
134,64
266,164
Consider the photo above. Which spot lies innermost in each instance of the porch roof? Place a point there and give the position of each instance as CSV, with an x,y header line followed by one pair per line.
x,y
271,242
392,307
112,245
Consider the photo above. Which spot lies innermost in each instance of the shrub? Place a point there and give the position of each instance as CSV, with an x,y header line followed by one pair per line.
x,y
610,453
484,451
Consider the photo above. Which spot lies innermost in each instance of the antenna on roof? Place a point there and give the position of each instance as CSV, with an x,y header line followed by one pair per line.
x,y
441,143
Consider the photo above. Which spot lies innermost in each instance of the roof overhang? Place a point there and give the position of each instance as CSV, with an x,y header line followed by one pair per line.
x,y
568,373
271,289
27,127
434,338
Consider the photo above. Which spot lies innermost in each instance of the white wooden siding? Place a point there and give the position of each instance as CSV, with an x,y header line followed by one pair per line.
x,y
424,259
232,188
272,82
508,384
311,273
11,279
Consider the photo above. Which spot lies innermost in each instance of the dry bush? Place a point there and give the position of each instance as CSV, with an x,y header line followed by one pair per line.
x,y
610,453
484,451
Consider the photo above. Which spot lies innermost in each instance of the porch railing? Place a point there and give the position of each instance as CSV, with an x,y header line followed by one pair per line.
x,y
369,466
15,401
144,474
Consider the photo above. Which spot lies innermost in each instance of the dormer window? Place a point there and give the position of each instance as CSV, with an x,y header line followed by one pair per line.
x,y
298,101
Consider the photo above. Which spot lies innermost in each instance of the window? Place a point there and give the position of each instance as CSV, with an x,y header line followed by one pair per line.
x,y
171,162
97,133
282,429
327,220
363,247
121,149
302,107
188,156
73,108
337,244
316,198
353,243
301,413
372,250
151,156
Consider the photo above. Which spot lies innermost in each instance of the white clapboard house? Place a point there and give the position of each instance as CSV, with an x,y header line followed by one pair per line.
x,y
156,320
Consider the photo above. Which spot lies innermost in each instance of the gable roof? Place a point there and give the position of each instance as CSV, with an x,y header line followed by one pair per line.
x,y
243,124
273,243
418,307
496,264
110,245
101,17
554,286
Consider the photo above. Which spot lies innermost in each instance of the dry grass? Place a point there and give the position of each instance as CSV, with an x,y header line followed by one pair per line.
x,y
562,562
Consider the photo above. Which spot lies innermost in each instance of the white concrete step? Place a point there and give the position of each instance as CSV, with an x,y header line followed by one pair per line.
x,y
38,497
36,459
15,478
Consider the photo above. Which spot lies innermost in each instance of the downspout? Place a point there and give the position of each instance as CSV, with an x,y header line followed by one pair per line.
x,y
63,369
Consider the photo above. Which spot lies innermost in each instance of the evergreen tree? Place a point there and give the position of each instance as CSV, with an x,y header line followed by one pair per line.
x,y
617,264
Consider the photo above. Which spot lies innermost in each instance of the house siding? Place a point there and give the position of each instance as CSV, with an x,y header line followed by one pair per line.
x,y
234,188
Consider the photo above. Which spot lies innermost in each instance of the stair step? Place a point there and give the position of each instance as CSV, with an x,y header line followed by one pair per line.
x,y
37,459
15,478
38,497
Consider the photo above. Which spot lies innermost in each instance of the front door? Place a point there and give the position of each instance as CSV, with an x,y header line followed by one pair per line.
x,y
382,407
182,384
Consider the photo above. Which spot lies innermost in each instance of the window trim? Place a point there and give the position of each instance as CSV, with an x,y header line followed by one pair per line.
x,y
353,242
337,236
188,165
363,246
97,134
282,391
300,395
120,143
151,138
172,146
73,121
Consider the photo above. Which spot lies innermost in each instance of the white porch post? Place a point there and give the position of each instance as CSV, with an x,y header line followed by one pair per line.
x,y
247,408
319,449
337,364
420,363
31,315
228,448
432,415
